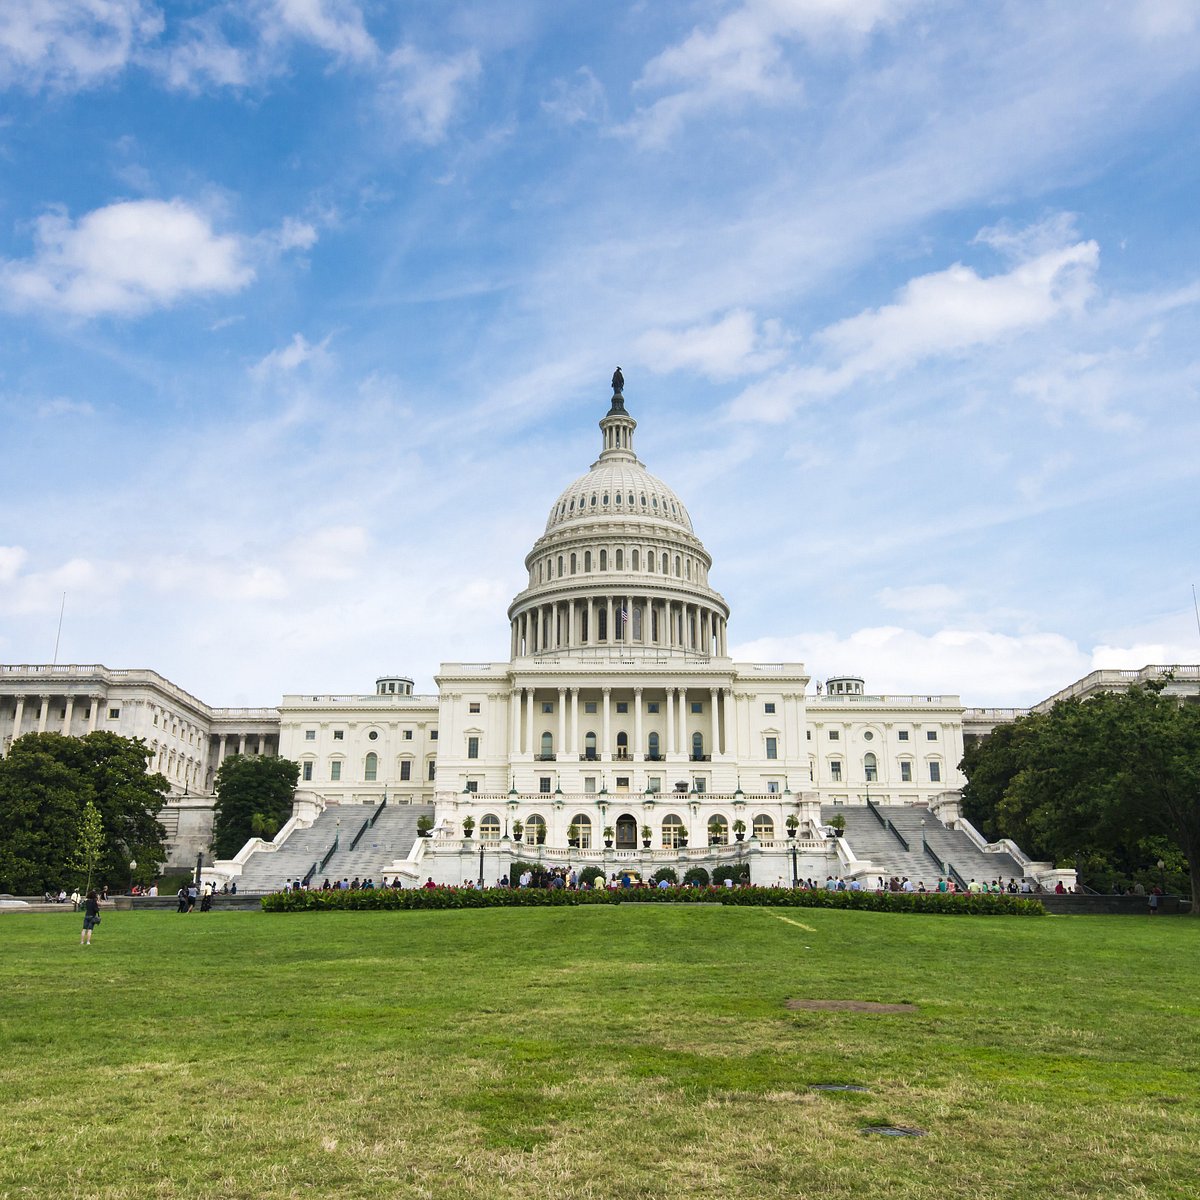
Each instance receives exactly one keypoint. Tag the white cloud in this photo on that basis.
(725, 349)
(334, 25)
(12, 558)
(426, 91)
(944, 313)
(296, 235)
(67, 44)
(922, 599)
(60, 406)
(333, 553)
(124, 259)
(578, 99)
(297, 353)
(742, 57)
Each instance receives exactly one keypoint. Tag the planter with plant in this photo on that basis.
(647, 834)
(572, 834)
(838, 824)
(468, 826)
(518, 830)
(424, 826)
(792, 823)
(739, 829)
(608, 836)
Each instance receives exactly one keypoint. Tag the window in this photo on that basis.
(433, 735)
(589, 746)
(620, 560)
(544, 785)
(473, 706)
(769, 707)
(903, 735)
(307, 772)
(654, 784)
(472, 747)
(604, 560)
(935, 772)
(718, 831)
(114, 714)
(697, 706)
(868, 736)
(808, 735)
(835, 771)
(672, 832)
(489, 828)
(633, 565)
(371, 767)
(652, 706)
(589, 706)
(773, 786)
(699, 785)
(652, 744)
(697, 746)
(472, 785)
(622, 706)
(931, 735)
(589, 784)
(310, 735)
(583, 830)
(622, 783)
(406, 769)
(339, 735)
(905, 771)
(432, 769)
(335, 771)
(373, 735)
(547, 706)
(764, 827)
(835, 735)
(547, 746)
(587, 560)
(870, 772)
(772, 747)
(408, 735)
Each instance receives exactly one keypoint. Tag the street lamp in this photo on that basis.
(795, 873)
(924, 844)
(1162, 875)
(132, 868)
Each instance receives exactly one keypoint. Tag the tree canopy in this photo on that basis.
(254, 799)
(1112, 781)
(46, 783)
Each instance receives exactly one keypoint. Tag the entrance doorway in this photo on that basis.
(626, 832)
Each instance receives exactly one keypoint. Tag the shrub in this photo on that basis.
(667, 873)
(696, 877)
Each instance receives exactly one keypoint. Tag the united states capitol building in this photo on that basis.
(617, 732)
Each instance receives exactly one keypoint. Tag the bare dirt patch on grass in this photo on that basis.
(867, 1006)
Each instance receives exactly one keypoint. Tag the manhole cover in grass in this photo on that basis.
(893, 1130)
(838, 1087)
(867, 1006)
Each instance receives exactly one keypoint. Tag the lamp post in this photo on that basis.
(924, 844)
(481, 858)
(1162, 875)
(795, 873)
(132, 868)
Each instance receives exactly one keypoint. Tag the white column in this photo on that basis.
(94, 712)
(670, 720)
(17, 716)
(574, 747)
(242, 744)
(684, 748)
(69, 716)
(730, 735)
(527, 748)
(43, 713)
(591, 622)
(606, 746)
(716, 726)
(561, 745)
(639, 750)
(514, 703)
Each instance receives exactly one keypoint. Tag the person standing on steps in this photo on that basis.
(91, 918)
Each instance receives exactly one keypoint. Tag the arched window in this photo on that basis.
(650, 560)
(371, 767)
(602, 623)
(718, 831)
(673, 833)
(589, 746)
(587, 561)
(560, 566)
(582, 822)
(620, 564)
(652, 748)
(622, 745)
(869, 769)
(678, 566)
(637, 621)
(547, 747)
(688, 567)
(697, 747)
(666, 563)
(489, 828)
(604, 560)
(764, 827)
(572, 564)
(634, 565)
(535, 830)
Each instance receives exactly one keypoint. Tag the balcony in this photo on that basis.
(589, 756)
(700, 757)
(656, 758)
(545, 758)
(622, 756)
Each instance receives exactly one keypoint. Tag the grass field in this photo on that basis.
(597, 1052)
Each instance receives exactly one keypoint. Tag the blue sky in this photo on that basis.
(308, 310)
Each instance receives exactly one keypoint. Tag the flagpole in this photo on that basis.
(58, 635)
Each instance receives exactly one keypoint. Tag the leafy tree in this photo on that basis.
(89, 844)
(253, 794)
(46, 782)
(1105, 780)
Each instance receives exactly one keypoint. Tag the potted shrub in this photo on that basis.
(518, 830)
(468, 826)
(792, 823)
(681, 840)
(838, 824)
(541, 834)
(739, 829)
(647, 834)
(608, 836)
(572, 834)
(424, 826)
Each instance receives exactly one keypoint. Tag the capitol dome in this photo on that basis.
(618, 569)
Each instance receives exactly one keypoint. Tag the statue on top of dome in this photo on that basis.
(618, 382)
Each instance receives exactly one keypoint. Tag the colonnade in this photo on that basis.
(64, 723)
(619, 622)
(673, 724)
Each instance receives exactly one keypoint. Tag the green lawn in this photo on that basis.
(632, 1051)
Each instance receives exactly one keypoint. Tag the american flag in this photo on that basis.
(624, 616)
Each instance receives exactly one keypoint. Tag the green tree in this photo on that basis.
(253, 793)
(46, 782)
(89, 844)
(1104, 780)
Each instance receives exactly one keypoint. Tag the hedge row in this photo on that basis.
(454, 897)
